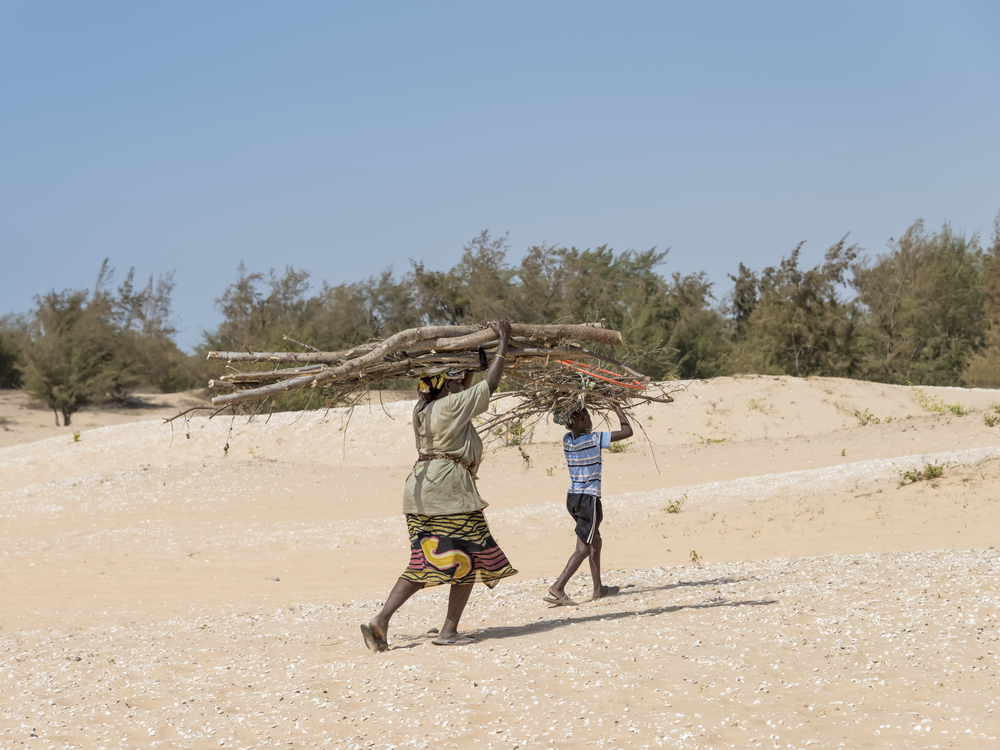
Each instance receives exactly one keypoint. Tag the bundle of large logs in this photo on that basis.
(544, 362)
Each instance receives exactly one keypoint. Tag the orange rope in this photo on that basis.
(592, 371)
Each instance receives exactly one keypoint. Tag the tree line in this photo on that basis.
(925, 312)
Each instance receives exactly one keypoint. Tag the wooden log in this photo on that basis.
(336, 357)
(302, 358)
(238, 377)
(594, 333)
(435, 338)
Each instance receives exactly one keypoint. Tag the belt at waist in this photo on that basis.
(460, 461)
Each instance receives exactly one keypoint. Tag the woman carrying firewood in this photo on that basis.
(450, 541)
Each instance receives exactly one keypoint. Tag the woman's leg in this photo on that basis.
(402, 591)
(457, 599)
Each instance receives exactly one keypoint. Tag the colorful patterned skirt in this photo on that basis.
(455, 548)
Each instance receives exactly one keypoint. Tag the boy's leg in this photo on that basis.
(585, 510)
(582, 551)
(600, 590)
(595, 565)
(597, 543)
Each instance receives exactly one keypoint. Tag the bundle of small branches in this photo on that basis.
(559, 387)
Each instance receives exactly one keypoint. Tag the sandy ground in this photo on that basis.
(200, 584)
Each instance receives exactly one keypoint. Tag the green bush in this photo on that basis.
(930, 471)
(674, 507)
(867, 418)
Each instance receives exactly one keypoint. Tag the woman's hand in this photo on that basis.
(502, 329)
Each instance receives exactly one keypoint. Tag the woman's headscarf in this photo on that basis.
(429, 385)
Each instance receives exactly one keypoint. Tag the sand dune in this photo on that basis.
(200, 584)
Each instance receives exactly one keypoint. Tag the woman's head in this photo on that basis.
(442, 383)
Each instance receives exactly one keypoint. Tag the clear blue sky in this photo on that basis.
(345, 138)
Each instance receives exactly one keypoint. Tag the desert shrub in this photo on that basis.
(934, 404)
(930, 471)
(79, 347)
(69, 353)
(922, 303)
(982, 368)
(10, 372)
(790, 321)
(866, 418)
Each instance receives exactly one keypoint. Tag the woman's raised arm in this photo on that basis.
(495, 371)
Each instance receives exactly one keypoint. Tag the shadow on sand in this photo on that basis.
(544, 626)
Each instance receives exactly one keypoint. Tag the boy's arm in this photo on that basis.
(625, 430)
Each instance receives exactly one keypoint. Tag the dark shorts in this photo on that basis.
(588, 514)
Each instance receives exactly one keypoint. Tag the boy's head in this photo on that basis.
(574, 417)
(563, 413)
(580, 422)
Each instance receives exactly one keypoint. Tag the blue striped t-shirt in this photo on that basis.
(583, 457)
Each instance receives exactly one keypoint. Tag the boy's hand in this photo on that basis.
(625, 430)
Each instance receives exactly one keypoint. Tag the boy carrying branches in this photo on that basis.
(583, 501)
